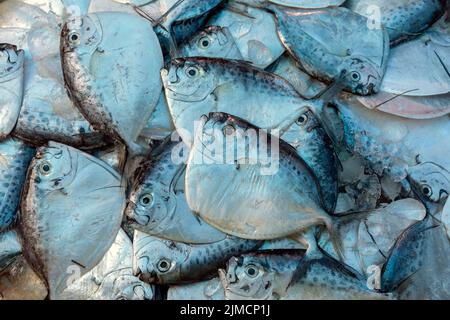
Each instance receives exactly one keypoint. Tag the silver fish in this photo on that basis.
(432, 180)
(310, 36)
(112, 278)
(214, 42)
(202, 290)
(10, 248)
(69, 193)
(234, 194)
(168, 262)
(197, 86)
(157, 203)
(11, 86)
(403, 19)
(14, 159)
(103, 71)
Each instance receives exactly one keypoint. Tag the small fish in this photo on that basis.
(198, 86)
(202, 290)
(214, 42)
(311, 37)
(112, 278)
(102, 69)
(11, 86)
(242, 195)
(14, 159)
(403, 19)
(68, 193)
(157, 203)
(432, 180)
(10, 248)
(167, 262)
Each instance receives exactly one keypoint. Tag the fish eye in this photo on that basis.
(426, 190)
(163, 265)
(45, 168)
(228, 130)
(204, 42)
(146, 199)
(251, 270)
(192, 72)
(74, 38)
(355, 76)
(302, 120)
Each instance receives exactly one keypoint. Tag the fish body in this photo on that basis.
(167, 262)
(11, 86)
(68, 193)
(157, 203)
(310, 36)
(10, 248)
(102, 69)
(14, 159)
(202, 290)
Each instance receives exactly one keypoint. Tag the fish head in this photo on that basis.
(430, 181)
(159, 261)
(81, 36)
(53, 167)
(128, 287)
(246, 277)
(213, 41)
(11, 59)
(188, 79)
(361, 76)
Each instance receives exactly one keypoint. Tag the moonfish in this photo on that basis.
(167, 262)
(157, 203)
(14, 159)
(112, 278)
(326, 43)
(11, 86)
(103, 70)
(69, 193)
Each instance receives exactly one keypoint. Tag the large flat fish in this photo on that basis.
(15, 157)
(71, 211)
(157, 204)
(103, 70)
(167, 262)
(331, 41)
(11, 86)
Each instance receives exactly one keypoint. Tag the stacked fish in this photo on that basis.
(212, 149)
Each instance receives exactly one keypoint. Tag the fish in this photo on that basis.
(112, 278)
(402, 19)
(432, 179)
(157, 203)
(68, 193)
(292, 276)
(253, 188)
(162, 261)
(253, 30)
(202, 290)
(446, 217)
(213, 42)
(11, 86)
(20, 282)
(310, 37)
(10, 248)
(302, 4)
(15, 157)
(102, 69)
(160, 124)
(239, 89)
(115, 156)
(429, 53)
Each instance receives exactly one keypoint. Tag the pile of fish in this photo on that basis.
(224, 149)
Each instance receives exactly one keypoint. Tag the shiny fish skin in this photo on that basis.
(14, 159)
(236, 198)
(161, 181)
(239, 89)
(61, 201)
(11, 87)
(183, 263)
(310, 37)
(112, 92)
(403, 19)
(10, 248)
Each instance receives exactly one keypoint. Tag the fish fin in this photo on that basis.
(144, 14)
(235, 9)
(335, 239)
